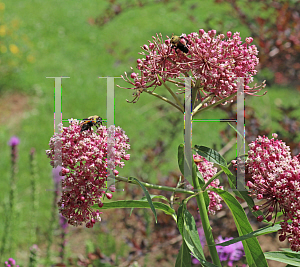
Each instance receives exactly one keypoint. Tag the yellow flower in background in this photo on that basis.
(3, 49)
(2, 30)
(15, 23)
(13, 48)
(30, 58)
(2, 6)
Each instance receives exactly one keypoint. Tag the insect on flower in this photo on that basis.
(177, 43)
(91, 121)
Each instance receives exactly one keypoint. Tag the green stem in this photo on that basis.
(196, 110)
(215, 176)
(195, 90)
(205, 224)
(164, 99)
(211, 179)
(160, 187)
(171, 92)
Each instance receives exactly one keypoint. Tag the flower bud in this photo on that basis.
(260, 196)
(126, 157)
(250, 184)
(271, 209)
(249, 40)
(282, 238)
(151, 46)
(212, 33)
(133, 75)
(229, 34)
(109, 195)
(255, 207)
(260, 218)
(269, 218)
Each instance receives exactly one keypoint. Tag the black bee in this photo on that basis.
(177, 44)
(91, 121)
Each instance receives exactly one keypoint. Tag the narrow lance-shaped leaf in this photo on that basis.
(184, 257)
(214, 157)
(254, 254)
(144, 198)
(263, 231)
(147, 196)
(136, 204)
(292, 259)
(182, 161)
(192, 240)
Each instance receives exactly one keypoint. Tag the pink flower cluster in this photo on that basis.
(276, 179)
(11, 263)
(83, 156)
(212, 60)
(207, 170)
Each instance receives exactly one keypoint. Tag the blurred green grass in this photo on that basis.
(65, 44)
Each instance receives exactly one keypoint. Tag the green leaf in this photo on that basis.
(180, 219)
(263, 231)
(254, 254)
(152, 196)
(290, 251)
(156, 196)
(243, 194)
(192, 240)
(136, 204)
(181, 160)
(240, 135)
(202, 183)
(211, 155)
(147, 196)
(284, 256)
(184, 257)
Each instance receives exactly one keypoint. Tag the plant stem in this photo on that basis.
(196, 110)
(164, 99)
(33, 172)
(171, 92)
(211, 179)
(160, 187)
(205, 224)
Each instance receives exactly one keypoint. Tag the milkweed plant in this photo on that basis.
(213, 63)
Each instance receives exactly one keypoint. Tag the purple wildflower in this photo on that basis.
(231, 253)
(13, 141)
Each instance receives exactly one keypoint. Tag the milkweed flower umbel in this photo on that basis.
(84, 166)
(213, 62)
(276, 179)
